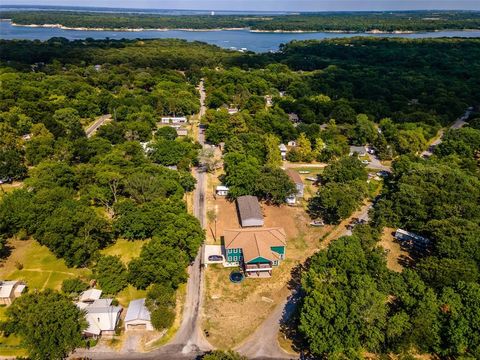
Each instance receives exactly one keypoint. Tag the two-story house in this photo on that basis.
(257, 251)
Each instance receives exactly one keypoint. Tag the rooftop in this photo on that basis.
(137, 311)
(256, 242)
(294, 176)
(90, 295)
(249, 208)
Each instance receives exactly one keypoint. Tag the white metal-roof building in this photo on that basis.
(10, 290)
(138, 316)
(90, 295)
(102, 317)
(173, 120)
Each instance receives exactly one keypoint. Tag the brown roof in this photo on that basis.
(249, 208)
(294, 176)
(256, 242)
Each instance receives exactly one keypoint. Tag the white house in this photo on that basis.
(221, 190)
(297, 180)
(138, 316)
(173, 120)
(10, 290)
(102, 317)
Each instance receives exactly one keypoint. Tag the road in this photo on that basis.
(263, 343)
(459, 123)
(99, 122)
(374, 164)
(189, 341)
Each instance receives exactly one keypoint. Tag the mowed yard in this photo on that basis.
(37, 266)
(233, 311)
(41, 270)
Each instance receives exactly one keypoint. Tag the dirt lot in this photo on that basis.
(233, 311)
(396, 256)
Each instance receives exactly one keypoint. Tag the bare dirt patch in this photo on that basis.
(233, 311)
(396, 256)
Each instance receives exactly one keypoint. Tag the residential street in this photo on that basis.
(459, 123)
(189, 341)
(99, 122)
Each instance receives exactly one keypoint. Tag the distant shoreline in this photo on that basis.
(375, 31)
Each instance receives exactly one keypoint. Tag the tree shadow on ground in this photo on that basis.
(291, 314)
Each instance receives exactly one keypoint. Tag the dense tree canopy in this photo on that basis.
(49, 323)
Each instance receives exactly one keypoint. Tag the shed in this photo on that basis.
(138, 316)
(249, 211)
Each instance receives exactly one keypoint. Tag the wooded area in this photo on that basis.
(327, 21)
(82, 194)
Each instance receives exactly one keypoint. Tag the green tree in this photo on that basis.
(158, 263)
(344, 170)
(336, 201)
(223, 355)
(274, 158)
(49, 324)
(73, 286)
(111, 274)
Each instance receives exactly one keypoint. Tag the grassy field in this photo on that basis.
(37, 266)
(6, 188)
(10, 346)
(41, 270)
(233, 311)
(126, 249)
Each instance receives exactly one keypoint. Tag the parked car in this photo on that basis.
(317, 223)
(6, 180)
(304, 172)
(311, 178)
(366, 162)
(215, 258)
(383, 173)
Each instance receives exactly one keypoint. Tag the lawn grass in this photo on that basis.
(37, 266)
(126, 249)
(128, 294)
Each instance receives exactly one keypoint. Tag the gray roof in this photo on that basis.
(249, 208)
(137, 311)
(100, 303)
(358, 149)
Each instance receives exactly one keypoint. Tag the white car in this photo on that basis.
(366, 162)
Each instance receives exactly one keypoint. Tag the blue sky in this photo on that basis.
(266, 5)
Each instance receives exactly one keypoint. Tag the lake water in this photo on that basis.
(254, 41)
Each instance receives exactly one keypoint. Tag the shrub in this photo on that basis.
(70, 286)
